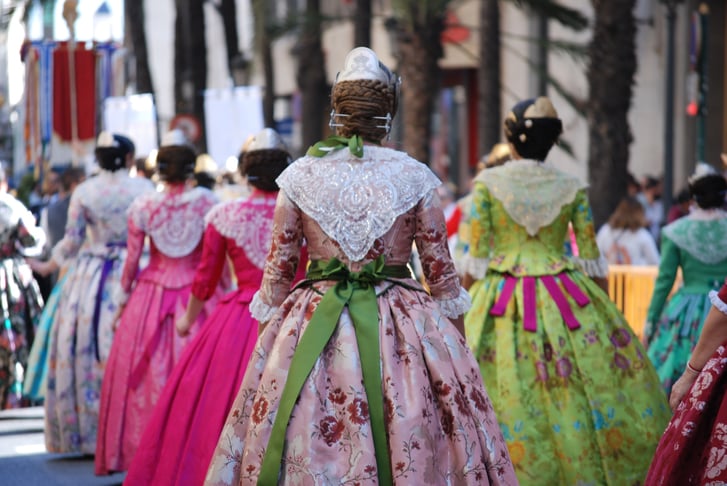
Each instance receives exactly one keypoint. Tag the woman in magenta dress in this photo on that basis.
(146, 346)
(178, 442)
(360, 376)
(693, 449)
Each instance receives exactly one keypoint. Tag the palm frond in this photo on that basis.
(575, 50)
(566, 16)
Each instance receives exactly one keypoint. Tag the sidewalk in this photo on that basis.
(24, 460)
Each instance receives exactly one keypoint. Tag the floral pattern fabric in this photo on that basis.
(440, 423)
(96, 220)
(576, 397)
(693, 449)
(675, 323)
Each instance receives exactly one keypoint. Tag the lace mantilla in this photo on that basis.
(356, 200)
(249, 223)
(704, 239)
(175, 222)
(531, 192)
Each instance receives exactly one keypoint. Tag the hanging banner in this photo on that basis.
(231, 116)
(135, 117)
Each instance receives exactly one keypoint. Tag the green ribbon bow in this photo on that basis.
(356, 291)
(331, 144)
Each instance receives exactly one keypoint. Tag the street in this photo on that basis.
(25, 462)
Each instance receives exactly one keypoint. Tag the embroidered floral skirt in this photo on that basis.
(182, 432)
(676, 334)
(20, 309)
(576, 397)
(440, 424)
(693, 449)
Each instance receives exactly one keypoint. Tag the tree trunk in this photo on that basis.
(362, 24)
(190, 62)
(489, 107)
(420, 48)
(135, 23)
(611, 71)
(263, 44)
(228, 12)
(311, 75)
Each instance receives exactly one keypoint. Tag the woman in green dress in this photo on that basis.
(576, 397)
(696, 243)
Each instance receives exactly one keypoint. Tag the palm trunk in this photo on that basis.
(362, 24)
(311, 75)
(610, 77)
(228, 12)
(190, 61)
(488, 82)
(135, 21)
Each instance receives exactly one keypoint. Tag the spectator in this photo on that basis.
(653, 206)
(623, 240)
(683, 201)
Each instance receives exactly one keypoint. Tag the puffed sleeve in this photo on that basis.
(589, 257)
(668, 267)
(282, 260)
(478, 259)
(212, 264)
(75, 233)
(437, 264)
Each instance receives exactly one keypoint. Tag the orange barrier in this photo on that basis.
(630, 288)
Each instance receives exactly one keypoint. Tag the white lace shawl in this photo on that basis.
(356, 200)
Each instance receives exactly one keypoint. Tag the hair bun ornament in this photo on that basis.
(702, 170)
(362, 63)
(205, 164)
(106, 140)
(265, 139)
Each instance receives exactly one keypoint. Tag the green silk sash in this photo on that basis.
(355, 290)
(331, 144)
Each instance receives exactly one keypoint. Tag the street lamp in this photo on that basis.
(668, 187)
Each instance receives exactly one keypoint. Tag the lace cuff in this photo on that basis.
(456, 307)
(717, 302)
(593, 268)
(261, 311)
(477, 267)
(120, 296)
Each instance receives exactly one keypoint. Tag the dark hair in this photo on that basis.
(709, 191)
(629, 214)
(70, 176)
(683, 196)
(262, 167)
(175, 163)
(205, 179)
(360, 101)
(114, 158)
(532, 137)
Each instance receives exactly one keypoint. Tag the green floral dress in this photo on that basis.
(698, 245)
(576, 397)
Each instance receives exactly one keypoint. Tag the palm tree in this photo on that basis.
(418, 27)
(311, 74)
(610, 74)
(135, 21)
(263, 45)
(362, 24)
(228, 12)
(190, 61)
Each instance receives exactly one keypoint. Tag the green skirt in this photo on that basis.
(577, 399)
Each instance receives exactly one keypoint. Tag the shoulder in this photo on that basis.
(222, 211)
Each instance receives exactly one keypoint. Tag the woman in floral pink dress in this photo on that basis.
(182, 433)
(146, 346)
(360, 376)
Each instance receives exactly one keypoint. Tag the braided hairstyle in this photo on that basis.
(262, 167)
(175, 163)
(362, 100)
(709, 191)
(533, 127)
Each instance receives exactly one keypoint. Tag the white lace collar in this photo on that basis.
(531, 192)
(356, 200)
(702, 234)
(249, 223)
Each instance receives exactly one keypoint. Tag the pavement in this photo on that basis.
(24, 460)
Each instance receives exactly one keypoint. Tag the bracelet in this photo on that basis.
(692, 368)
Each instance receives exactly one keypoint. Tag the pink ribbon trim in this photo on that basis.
(530, 321)
(574, 290)
(501, 305)
(561, 302)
